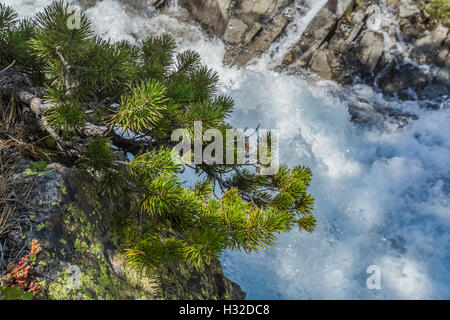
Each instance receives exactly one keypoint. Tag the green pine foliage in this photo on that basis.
(140, 93)
(14, 36)
(66, 117)
(98, 155)
(141, 109)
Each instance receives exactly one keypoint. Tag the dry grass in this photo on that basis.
(9, 207)
(6, 219)
(14, 223)
(8, 212)
(7, 204)
(19, 139)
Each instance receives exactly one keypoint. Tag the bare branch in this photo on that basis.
(8, 67)
(38, 107)
(67, 68)
(247, 196)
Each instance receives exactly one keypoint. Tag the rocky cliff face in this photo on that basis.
(393, 45)
(80, 257)
(381, 42)
(247, 27)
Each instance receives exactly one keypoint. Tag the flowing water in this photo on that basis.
(382, 192)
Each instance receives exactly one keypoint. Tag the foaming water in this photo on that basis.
(382, 199)
(382, 196)
(303, 13)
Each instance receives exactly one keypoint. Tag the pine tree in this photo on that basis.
(103, 99)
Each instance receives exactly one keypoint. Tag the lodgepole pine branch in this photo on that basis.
(38, 107)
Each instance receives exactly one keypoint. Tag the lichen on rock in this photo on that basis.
(81, 258)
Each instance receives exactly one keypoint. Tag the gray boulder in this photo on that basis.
(372, 45)
(319, 31)
(248, 28)
(433, 47)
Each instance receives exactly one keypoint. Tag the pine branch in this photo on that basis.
(38, 108)
(224, 184)
(149, 91)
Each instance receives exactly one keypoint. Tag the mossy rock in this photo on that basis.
(80, 258)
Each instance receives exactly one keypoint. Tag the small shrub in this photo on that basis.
(439, 10)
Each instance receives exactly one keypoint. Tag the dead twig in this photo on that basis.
(2, 259)
(12, 107)
(31, 188)
(8, 67)
(5, 219)
(67, 68)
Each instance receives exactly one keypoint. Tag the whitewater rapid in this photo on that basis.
(382, 195)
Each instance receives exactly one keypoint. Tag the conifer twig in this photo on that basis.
(225, 185)
(67, 68)
(8, 67)
(38, 107)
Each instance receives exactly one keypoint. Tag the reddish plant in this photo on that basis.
(19, 276)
